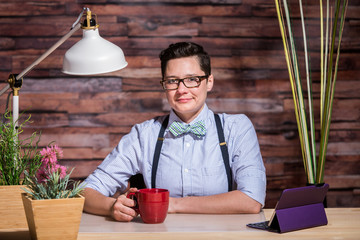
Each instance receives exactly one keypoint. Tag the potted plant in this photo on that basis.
(314, 161)
(52, 202)
(16, 156)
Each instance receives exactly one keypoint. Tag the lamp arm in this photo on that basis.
(49, 51)
(2, 91)
(15, 81)
(75, 26)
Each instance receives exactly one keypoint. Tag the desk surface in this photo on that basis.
(343, 223)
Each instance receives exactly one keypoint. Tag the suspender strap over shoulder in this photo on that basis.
(222, 143)
(224, 150)
(158, 150)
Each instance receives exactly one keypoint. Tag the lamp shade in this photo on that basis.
(93, 55)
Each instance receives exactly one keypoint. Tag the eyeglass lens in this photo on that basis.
(189, 82)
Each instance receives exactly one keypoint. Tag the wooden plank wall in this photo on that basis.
(87, 116)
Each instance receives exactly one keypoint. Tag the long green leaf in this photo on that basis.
(300, 99)
(314, 168)
(327, 97)
(290, 71)
(325, 132)
(295, 81)
(309, 89)
(324, 66)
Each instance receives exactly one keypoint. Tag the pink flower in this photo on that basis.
(50, 164)
(52, 153)
(62, 170)
(41, 175)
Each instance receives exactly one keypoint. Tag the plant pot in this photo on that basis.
(12, 213)
(53, 218)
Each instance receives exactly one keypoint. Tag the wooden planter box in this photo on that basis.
(12, 214)
(53, 218)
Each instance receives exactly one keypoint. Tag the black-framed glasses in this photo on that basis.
(189, 82)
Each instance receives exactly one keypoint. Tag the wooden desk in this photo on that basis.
(344, 223)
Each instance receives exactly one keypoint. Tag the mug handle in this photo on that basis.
(133, 197)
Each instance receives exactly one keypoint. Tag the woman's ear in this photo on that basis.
(210, 83)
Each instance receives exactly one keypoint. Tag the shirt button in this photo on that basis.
(187, 144)
(186, 170)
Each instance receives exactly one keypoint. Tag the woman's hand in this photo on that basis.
(122, 210)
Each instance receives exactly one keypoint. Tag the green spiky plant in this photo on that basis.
(51, 180)
(16, 154)
(313, 163)
(55, 187)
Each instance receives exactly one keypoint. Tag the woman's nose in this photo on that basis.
(182, 87)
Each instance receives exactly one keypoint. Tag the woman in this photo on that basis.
(191, 163)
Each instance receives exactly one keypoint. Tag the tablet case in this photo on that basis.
(299, 208)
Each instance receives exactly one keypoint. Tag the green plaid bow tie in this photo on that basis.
(198, 128)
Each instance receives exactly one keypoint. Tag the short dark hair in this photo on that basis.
(185, 49)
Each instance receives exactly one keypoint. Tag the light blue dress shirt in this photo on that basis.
(188, 165)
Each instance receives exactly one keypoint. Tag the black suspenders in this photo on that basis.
(158, 150)
(223, 147)
(224, 150)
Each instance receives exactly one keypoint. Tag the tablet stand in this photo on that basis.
(296, 218)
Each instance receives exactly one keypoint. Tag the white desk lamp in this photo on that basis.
(92, 55)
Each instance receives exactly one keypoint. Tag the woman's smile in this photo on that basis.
(187, 102)
(184, 100)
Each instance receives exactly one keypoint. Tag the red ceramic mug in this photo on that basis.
(151, 203)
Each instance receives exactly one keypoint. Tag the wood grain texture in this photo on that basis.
(53, 218)
(87, 116)
(11, 207)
